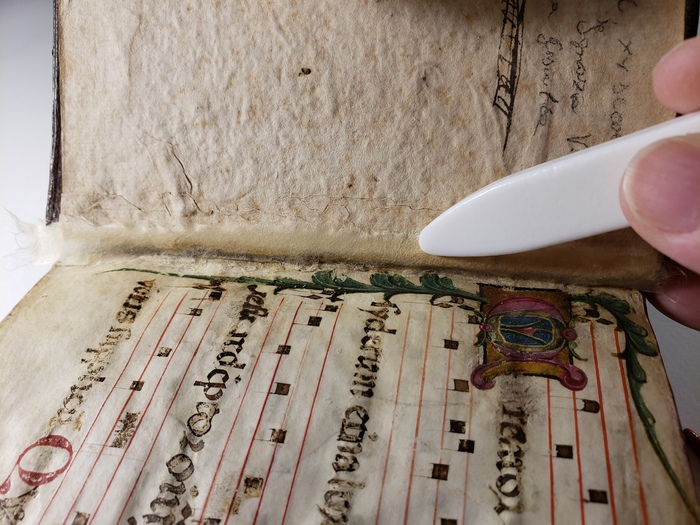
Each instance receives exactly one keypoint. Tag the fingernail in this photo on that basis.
(673, 297)
(662, 185)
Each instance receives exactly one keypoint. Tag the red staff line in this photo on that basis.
(238, 412)
(104, 402)
(114, 425)
(605, 432)
(420, 405)
(393, 418)
(642, 497)
(466, 466)
(102, 448)
(444, 418)
(260, 416)
(308, 421)
(578, 461)
(284, 419)
(148, 405)
(551, 452)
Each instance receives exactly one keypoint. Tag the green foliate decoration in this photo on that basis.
(636, 344)
(327, 282)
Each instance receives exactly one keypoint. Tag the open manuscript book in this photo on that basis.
(242, 328)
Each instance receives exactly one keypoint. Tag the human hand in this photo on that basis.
(660, 190)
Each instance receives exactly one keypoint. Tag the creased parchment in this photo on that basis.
(357, 120)
(248, 393)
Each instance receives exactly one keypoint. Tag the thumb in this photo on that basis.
(660, 196)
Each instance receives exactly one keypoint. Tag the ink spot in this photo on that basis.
(598, 496)
(252, 487)
(305, 71)
(466, 445)
(440, 471)
(458, 427)
(565, 451)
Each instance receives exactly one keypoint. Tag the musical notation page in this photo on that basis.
(268, 393)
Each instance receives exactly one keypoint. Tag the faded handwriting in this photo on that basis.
(580, 79)
(616, 117)
(125, 429)
(627, 53)
(551, 46)
(578, 143)
(619, 89)
(621, 3)
(98, 358)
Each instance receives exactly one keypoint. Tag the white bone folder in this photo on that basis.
(561, 200)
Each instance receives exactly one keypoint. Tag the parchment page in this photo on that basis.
(249, 393)
(282, 126)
